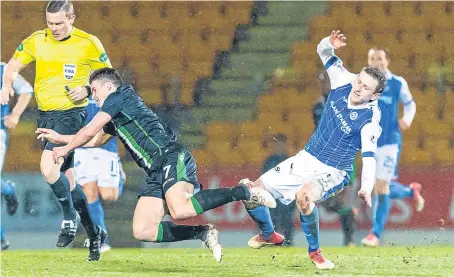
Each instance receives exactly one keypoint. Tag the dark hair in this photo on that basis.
(377, 75)
(60, 6)
(379, 48)
(106, 74)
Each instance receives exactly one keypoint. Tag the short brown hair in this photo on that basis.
(106, 74)
(60, 6)
(375, 73)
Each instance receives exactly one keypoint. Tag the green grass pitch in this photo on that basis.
(385, 261)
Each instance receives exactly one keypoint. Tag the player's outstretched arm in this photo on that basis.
(369, 136)
(338, 75)
(25, 92)
(52, 136)
(83, 136)
(12, 70)
(98, 140)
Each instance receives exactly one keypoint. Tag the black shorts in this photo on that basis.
(175, 165)
(67, 122)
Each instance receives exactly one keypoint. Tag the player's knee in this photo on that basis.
(381, 187)
(49, 169)
(144, 233)
(178, 215)
(181, 212)
(91, 191)
(303, 201)
(50, 173)
(109, 194)
(92, 195)
(110, 197)
(302, 196)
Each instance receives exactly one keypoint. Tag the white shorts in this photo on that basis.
(288, 177)
(386, 162)
(97, 165)
(3, 147)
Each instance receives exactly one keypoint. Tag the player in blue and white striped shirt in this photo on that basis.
(9, 120)
(99, 172)
(389, 146)
(350, 122)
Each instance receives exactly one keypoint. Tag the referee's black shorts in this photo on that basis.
(67, 122)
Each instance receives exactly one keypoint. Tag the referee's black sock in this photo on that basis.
(61, 189)
(208, 199)
(169, 232)
(81, 204)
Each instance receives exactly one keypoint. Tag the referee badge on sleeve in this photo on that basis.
(69, 71)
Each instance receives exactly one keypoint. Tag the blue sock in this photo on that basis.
(399, 191)
(97, 213)
(382, 203)
(261, 216)
(310, 225)
(2, 233)
(7, 188)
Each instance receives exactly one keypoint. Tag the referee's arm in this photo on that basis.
(96, 58)
(22, 57)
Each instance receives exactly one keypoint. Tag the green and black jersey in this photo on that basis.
(142, 132)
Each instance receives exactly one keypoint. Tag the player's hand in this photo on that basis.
(337, 39)
(5, 93)
(247, 182)
(403, 126)
(79, 93)
(49, 135)
(366, 197)
(59, 153)
(11, 121)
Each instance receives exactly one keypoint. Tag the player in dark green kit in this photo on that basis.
(172, 185)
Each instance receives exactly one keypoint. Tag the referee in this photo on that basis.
(64, 57)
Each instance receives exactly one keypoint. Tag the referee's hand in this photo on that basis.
(5, 93)
(79, 93)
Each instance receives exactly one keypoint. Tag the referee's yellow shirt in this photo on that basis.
(61, 63)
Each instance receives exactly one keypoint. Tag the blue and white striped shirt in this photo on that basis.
(396, 91)
(344, 129)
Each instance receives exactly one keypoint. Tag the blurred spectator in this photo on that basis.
(171, 94)
(171, 90)
(282, 214)
(324, 86)
(440, 73)
(337, 203)
(127, 73)
(259, 8)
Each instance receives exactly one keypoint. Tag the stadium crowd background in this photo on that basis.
(231, 76)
